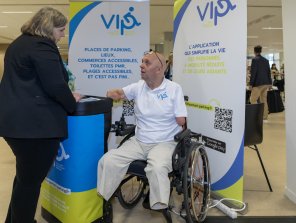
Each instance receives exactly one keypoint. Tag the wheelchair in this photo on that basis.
(190, 176)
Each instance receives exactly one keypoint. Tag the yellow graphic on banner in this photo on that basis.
(78, 207)
(233, 192)
(177, 6)
(199, 106)
(76, 7)
(117, 102)
(207, 107)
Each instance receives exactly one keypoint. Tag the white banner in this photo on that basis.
(107, 42)
(210, 64)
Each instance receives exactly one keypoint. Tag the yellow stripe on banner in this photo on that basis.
(78, 207)
(77, 7)
(234, 191)
(177, 6)
(207, 107)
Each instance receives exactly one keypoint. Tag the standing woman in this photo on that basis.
(274, 72)
(35, 100)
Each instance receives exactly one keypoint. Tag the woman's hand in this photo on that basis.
(77, 96)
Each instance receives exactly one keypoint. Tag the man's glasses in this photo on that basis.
(151, 52)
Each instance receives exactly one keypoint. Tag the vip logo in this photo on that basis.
(213, 12)
(62, 155)
(127, 21)
(162, 95)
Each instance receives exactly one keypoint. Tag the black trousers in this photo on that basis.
(34, 158)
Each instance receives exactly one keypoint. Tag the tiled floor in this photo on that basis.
(260, 201)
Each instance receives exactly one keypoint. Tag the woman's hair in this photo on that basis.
(43, 22)
(273, 66)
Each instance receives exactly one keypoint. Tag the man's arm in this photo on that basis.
(254, 67)
(181, 120)
(116, 94)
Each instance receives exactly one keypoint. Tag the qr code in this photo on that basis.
(223, 119)
(128, 107)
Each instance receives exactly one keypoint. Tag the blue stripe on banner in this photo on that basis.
(234, 173)
(179, 17)
(75, 21)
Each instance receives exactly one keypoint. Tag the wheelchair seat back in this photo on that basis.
(137, 168)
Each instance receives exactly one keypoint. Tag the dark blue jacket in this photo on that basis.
(34, 94)
(260, 72)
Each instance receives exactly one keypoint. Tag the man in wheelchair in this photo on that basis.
(160, 113)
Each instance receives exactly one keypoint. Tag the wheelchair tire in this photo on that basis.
(196, 184)
(130, 191)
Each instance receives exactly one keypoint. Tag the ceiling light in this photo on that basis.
(17, 12)
(271, 28)
(3, 26)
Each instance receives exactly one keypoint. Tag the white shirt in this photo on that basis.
(156, 110)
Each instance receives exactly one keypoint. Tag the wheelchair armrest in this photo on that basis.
(195, 135)
(129, 128)
(181, 135)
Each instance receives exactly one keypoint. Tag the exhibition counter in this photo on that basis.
(69, 193)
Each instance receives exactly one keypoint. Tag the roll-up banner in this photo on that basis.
(210, 42)
(107, 41)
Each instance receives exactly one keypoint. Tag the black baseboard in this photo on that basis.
(52, 219)
(251, 219)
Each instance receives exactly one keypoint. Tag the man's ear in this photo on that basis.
(159, 69)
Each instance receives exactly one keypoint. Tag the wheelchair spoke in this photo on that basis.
(131, 191)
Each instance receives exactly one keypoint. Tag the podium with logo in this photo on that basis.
(69, 194)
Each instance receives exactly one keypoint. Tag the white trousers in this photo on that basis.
(113, 166)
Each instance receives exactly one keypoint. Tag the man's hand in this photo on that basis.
(116, 94)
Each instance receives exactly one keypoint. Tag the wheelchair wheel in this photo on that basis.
(130, 191)
(196, 184)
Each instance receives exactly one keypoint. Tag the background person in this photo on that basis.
(260, 80)
(274, 72)
(169, 68)
(160, 112)
(34, 100)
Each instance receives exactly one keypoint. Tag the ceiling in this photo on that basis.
(261, 13)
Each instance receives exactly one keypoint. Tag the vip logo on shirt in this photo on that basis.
(162, 96)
